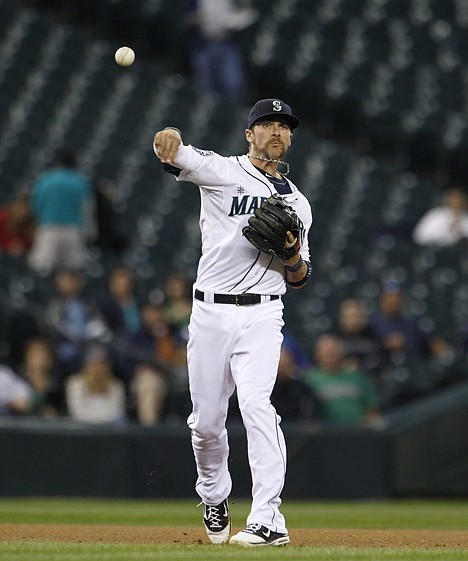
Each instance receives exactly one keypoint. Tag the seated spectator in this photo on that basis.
(363, 349)
(15, 394)
(290, 342)
(292, 397)
(345, 397)
(447, 224)
(177, 308)
(146, 362)
(39, 369)
(95, 395)
(399, 332)
(16, 226)
(121, 308)
(75, 319)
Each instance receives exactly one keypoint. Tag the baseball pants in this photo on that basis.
(237, 347)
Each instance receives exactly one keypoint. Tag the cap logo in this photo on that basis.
(277, 105)
(267, 109)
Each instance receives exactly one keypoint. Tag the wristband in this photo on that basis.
(304, 280)
(296, 267)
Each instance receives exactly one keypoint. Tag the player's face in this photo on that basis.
(270, 139)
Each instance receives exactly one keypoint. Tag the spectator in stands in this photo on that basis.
(363, 349)
(399, 332)
(40, 370)
(16, 226)
(213, 47)
(121, 307)
(15, 393)
(292, 397)
(146, 361)
(95, 395)
(447, 224)
(62, 204)
(177, 308)
(75, 319)
(294, 346)
(345, 397)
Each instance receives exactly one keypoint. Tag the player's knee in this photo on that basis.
(206, 429)
(205, 435)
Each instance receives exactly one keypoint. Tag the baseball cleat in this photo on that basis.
(256, 534)
(217, 521)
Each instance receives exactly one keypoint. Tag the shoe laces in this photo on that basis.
(213, 515)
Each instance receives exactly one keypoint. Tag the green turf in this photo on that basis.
(102, 552)
(452, 515)
(440, 515)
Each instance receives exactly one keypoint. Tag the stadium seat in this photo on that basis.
(370, 75)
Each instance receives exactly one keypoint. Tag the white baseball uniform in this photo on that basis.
(234, 346)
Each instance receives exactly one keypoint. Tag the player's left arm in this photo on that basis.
(298, 269)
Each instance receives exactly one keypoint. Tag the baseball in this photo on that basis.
(124, 56)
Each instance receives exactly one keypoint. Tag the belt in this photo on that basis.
(237, 299)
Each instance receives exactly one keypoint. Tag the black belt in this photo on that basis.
(237, 299)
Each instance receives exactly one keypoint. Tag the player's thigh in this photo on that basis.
(211, 337)
(256, 354)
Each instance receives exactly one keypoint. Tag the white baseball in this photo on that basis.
(124, 56)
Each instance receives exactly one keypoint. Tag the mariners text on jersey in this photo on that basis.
(246, 205)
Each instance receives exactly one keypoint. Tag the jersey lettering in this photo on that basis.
(253, 205)
(243, 206)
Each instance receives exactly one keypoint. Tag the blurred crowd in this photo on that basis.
(120, 356)
(112, 359)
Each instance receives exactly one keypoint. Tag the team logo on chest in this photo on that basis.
(245, 204)
(240, 190)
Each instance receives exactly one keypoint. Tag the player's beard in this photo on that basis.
(270, 152)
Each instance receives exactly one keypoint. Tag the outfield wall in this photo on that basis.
(72, 460)
(421, 451)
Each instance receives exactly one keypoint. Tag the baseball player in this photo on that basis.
(235, 327)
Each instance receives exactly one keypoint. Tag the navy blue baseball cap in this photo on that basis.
(271, 109)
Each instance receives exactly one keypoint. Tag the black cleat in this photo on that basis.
(217, 522)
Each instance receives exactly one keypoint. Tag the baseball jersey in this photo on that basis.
(231, 188)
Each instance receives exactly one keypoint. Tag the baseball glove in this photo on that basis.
(268, 227)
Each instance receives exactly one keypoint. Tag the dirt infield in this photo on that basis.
(189, 536)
